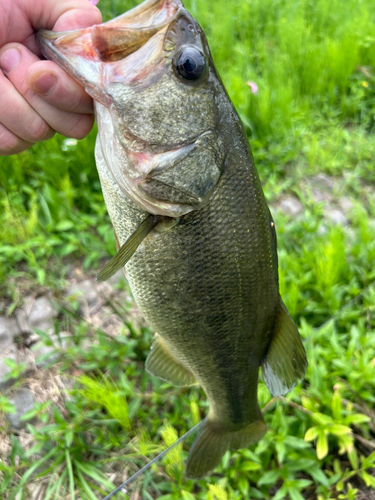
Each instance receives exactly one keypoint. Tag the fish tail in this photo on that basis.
(214, 440)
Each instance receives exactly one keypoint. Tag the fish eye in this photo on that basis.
(190, 63)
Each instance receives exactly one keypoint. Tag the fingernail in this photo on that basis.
(9, 59)
(44, 84)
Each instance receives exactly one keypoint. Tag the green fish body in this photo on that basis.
(203, 266)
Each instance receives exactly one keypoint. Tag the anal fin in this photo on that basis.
(161, 363)
(285, 362)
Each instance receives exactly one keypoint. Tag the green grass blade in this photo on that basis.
(60, 483)
(52, 486)
(95, 474)
(29, 472)
(70, 472)
(86, 486)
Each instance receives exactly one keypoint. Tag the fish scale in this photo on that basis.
(189, 214)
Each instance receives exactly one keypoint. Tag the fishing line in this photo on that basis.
(162, 454)
(156, 459)
(196, 427)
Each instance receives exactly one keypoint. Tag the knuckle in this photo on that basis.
(82, 127)
(9, 143)
(49, 134)
(76, 102)
(40, 130)
(19, 115)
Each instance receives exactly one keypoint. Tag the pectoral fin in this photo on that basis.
(285, 362)
(129, 247)
(161, 363)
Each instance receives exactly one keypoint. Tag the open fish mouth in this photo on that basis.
(126, 65)
(119, 37)
(85, 53)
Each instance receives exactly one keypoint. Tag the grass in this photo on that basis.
(314, 64)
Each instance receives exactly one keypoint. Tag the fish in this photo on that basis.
(190, 218)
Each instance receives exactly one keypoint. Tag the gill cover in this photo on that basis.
(148, 72)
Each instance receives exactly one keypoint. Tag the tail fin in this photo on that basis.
(214, 440)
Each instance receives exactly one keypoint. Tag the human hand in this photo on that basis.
(37, 98)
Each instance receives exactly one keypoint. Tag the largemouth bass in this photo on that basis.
(189, 214)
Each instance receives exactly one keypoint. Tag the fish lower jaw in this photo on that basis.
(152, 205)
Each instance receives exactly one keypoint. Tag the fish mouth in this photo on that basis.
(85, 53)
(119, 37)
